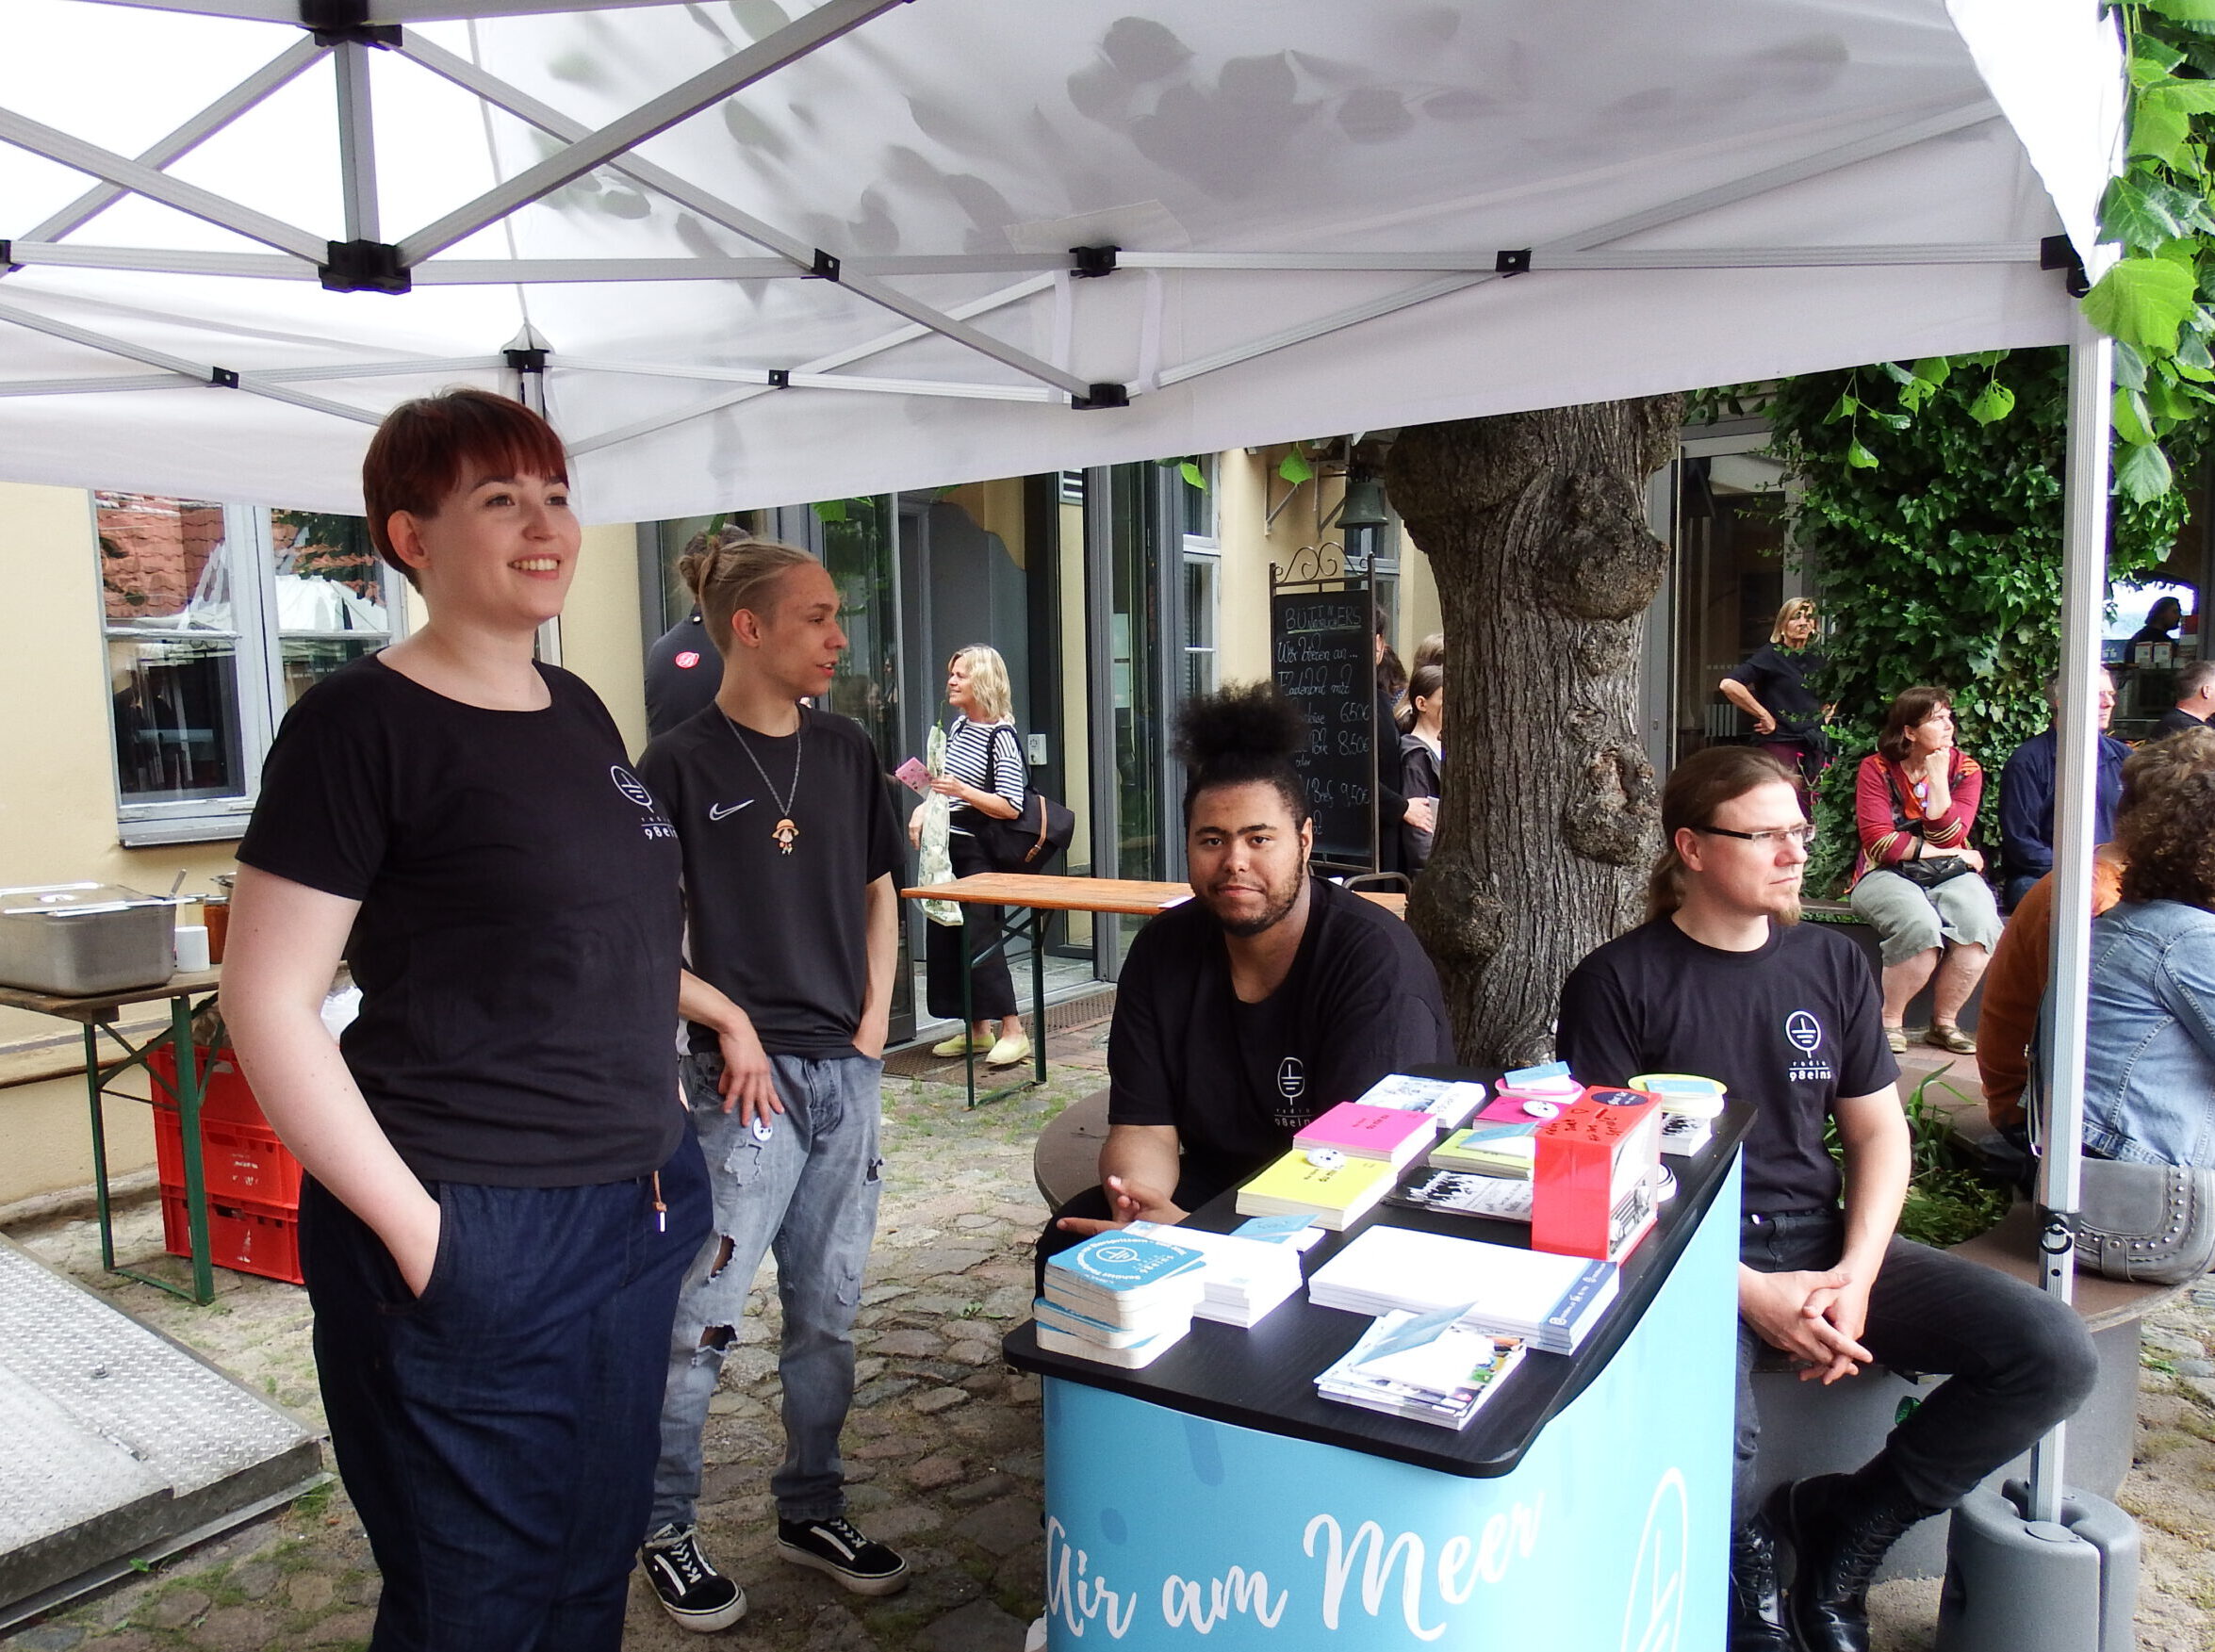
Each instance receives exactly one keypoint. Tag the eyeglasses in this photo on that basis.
(1802, 835)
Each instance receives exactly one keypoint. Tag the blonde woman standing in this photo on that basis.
(1772, 689)
(983, 775)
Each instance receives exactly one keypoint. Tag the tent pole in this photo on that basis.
(2083, 570)
(358, 148)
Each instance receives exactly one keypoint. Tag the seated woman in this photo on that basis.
(2149, 1059)
(1916, 882)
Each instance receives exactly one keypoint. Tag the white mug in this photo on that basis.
(192, 948)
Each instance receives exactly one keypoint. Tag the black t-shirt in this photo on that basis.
(682, 673)
(1777, 679)
(1238, 1080)
(517, 946)
(783, 936)
(1790, 1026)
(2175, 720)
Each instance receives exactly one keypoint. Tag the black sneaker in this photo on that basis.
(690, 1589)
(833, 1546)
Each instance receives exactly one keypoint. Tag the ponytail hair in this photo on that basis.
(728, 574)
(1428, 679)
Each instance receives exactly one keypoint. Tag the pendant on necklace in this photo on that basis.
(786, 835)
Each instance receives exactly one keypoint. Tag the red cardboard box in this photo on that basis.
(1594, 1182)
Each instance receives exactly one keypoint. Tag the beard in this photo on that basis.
(1279, 901)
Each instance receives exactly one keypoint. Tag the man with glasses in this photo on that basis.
(1723, 980)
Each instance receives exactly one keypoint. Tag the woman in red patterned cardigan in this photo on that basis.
(1919, 882)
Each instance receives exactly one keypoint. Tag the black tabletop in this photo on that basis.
(1264, 1377)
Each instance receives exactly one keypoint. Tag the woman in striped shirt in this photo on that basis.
(983, 773)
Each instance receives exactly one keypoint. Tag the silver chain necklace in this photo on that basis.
(786, 832)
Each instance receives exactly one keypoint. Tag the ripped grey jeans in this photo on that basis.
(810, 1193)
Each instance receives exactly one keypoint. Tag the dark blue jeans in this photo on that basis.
(2016, 1360)
(498, 1433)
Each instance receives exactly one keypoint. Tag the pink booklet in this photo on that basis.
(1391, 1134)
(916, 777)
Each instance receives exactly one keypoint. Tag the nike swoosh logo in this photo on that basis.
(724, 811)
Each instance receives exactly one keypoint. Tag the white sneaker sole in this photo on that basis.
(891, 1583)
(703, 1623)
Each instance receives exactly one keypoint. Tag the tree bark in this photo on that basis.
(1535, 527)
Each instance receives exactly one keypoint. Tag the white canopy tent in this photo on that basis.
(750, 252)
(836, 258)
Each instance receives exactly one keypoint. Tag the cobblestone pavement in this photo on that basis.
(943, 1449)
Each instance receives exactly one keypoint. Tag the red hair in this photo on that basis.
(428, 450)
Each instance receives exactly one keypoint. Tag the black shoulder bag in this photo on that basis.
(1040, 831)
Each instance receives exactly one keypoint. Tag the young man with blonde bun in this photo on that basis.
(1723, 980)
(791, 851)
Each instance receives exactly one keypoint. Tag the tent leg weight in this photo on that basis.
(2020, 1585)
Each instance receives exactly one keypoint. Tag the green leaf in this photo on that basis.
(2151, 60)
(1992, 403)
(2159, 131)
(1844, 407)
(2191, 352)
(1295, 468)
(2184, 10)
(2143, 475)
(1860, 457)
(830, 510)
(1192, 474)
(2142, 301)
(2147, 213)
(2132, 423)
(2130, 368)
(1896, 374)
(1933, 369)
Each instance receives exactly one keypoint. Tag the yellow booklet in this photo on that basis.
(1335, 1193)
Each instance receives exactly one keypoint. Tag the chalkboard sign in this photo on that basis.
(1324, 660)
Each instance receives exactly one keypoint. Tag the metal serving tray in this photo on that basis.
(75, 939)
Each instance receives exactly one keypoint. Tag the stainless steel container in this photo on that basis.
(75, 939)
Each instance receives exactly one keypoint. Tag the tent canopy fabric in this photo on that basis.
(773, 253)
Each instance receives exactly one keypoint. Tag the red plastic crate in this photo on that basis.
(237, 1161)
(228, 1097)
(242, 1236)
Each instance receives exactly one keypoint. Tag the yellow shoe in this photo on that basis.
(959, 1044)
(1010, 1051)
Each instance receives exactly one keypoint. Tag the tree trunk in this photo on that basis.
(1535, 527)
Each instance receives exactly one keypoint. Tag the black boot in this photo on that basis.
(1839, 1527)
(1757, 1602)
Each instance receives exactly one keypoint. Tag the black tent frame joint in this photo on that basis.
(1517, 262)
(826, 267)
(1102, 395)
(526, 361)
(338, 22)
(2057, 1231)
(781, 378)
(1093, 261)
(223, 378)
(2056, 252)
(8, 264)
(365, 266)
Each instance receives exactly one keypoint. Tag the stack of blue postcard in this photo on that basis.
(1121, 1299)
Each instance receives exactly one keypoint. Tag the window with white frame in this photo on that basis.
(1200, 596)
(217, 618)
(1196, 502)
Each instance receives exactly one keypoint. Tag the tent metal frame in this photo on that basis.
(348, 31)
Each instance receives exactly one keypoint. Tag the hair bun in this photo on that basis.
(1252, 720)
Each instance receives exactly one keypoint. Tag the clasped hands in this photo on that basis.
(1816, 1318)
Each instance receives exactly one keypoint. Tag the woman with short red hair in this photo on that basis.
(503, 1195)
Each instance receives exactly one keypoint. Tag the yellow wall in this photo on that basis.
(599, 627)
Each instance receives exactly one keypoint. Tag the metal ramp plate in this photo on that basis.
(117, 1443)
